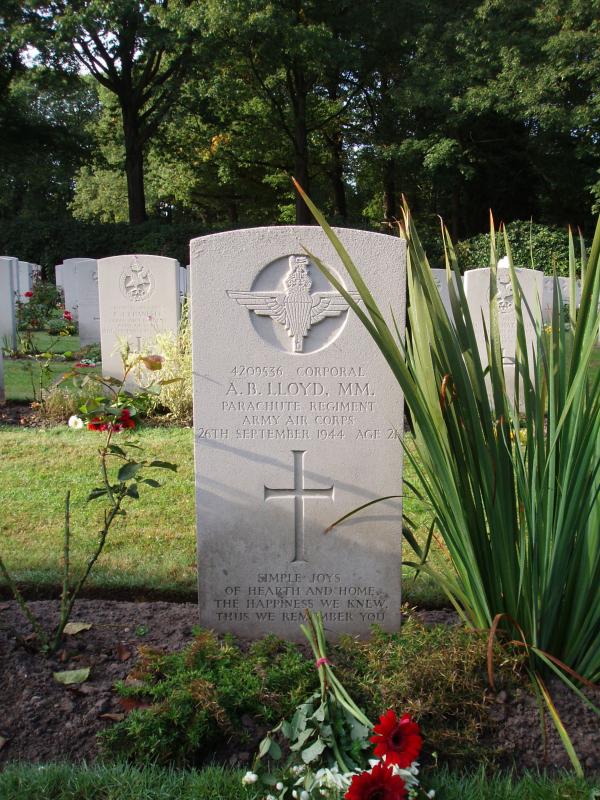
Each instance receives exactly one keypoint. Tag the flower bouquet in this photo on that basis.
(322, 751)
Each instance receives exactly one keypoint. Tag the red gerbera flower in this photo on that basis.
(125, 420)
(398, 740)
(28, 294)
(378, 784)
(95, 424)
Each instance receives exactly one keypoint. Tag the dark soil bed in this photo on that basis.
(42, 720)
(22, 414)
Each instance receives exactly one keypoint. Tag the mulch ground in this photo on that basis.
(19, 414)
(42, 720)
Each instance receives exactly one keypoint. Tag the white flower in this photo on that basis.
(249, 777)
(270, 797)
(279, 786)
(75, 422)
(431, 793)
(294, 794)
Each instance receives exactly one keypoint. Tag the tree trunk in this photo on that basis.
(389, 192)
(337, 179)
(303, 215)
(134, 167)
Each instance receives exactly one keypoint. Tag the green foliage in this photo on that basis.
(48, 241)
(123, 782)
(119, 782)
(199, 696)
(436, 674)
(90, 353)
(542, 247)
(175, 395)
(519, 510)
(61, 402)
(520, 515)
(479, 785)
(43, 311)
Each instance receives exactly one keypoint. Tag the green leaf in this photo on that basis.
(128, 470)
(264, 747)
(163, 465)
(71, 677)
(114, 448)
(313, 752)
(274, 750)
(151, 482)
(302, 738)
(96, 493)
(132, 491)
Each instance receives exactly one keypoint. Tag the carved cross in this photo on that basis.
(298, 493)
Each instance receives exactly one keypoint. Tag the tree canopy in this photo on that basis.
(114, 110)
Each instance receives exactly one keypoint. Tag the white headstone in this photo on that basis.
(183, 283)
(68, 276)
(58, 269)
(441, 281)
(88, 302)
(565, 294)
(25, 280)
(2, 395)
(296, 419)
(139, 297)
(477, 291)
(8, 322)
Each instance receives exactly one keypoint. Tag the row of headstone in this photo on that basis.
(79, 280)
(8, 296)
(297, 415)
(546, 293)
(139, 297)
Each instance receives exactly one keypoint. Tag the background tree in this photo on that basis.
(285, 53)
(134, 51)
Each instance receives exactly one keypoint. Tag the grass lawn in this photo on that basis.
(153, 547)
(65, 782)
(55, 344)
(22, 375)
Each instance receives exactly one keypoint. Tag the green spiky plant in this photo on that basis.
(517, 501)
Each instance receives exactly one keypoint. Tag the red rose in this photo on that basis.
(68, 316)
(378, 784)
(398, 740)
(27, 294)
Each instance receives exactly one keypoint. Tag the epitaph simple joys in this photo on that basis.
(296, 422)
